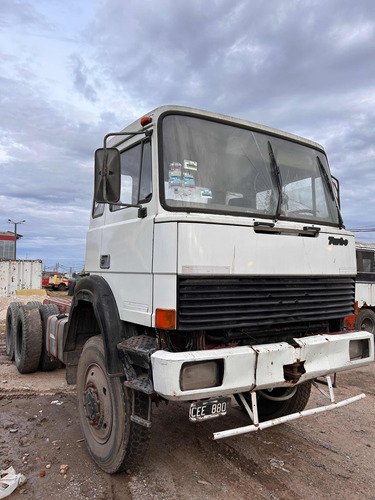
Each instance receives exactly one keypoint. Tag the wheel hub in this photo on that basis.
(98, 403)
(92, 404)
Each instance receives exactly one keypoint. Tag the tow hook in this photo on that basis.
(293, 372)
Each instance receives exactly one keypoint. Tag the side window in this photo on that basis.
(97, 209)
(145, 192)
(136, 185)
(365, 262)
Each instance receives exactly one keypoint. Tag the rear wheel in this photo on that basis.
(28, 339)
(280, 401)
(11, 327)
(365, 320)
(105, 407)
(62, 287)
(34, 303)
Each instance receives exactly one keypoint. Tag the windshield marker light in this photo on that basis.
(146, 120)
(165, 319)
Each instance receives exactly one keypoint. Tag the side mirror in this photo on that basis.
(107, 186)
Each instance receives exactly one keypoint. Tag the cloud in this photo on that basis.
(20, 13)
(80, 78)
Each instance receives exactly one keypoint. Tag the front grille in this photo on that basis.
(214, 303)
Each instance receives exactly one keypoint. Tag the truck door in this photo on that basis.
(126, 244)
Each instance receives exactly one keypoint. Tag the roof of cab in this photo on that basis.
(157, 112)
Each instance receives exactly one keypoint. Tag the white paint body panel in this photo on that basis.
(19, 275)
(128, 240)
(365, 294)
(259, 367)
(239, 250)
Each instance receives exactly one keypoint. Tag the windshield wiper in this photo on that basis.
(330, 189)
(276, 171)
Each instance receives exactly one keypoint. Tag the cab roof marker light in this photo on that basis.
(146, 120)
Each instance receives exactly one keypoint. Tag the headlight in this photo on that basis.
(359, 349)
(201, 375)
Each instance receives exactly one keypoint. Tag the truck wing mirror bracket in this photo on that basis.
(107, 188)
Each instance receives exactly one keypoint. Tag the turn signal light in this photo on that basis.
(165, 319)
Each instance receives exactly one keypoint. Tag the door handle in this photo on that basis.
(105, 261)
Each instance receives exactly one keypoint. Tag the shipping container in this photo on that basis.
(19, 275)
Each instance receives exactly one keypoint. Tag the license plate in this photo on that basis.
(211, 408)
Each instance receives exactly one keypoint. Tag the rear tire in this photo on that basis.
(28, 340)
(34, 303)
(365, 320)
(105, 407)
(11, 327)
(47, 363)
(268, 409)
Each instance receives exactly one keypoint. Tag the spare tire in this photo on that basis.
(11, 327)
(34, 303)
(47, 363)
(28, 339)
(279, 401)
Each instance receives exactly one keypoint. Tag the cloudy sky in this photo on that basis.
(71, 71)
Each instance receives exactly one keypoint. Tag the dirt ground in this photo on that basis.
(329, 456)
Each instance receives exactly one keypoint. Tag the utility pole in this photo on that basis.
(15, 236)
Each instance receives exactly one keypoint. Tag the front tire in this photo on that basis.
(365, 320)
(114, 441)
(280, 401)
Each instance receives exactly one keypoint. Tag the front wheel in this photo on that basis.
(365, 320)
(105, 405)
(280, 401)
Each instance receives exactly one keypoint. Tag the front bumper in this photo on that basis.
(249, 368)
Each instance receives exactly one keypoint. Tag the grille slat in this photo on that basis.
(297, 303)
(212, 303)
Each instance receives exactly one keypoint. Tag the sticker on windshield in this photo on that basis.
(189, 181)
(190, 165)
(175, 166)
(206, 193)
(175, 181)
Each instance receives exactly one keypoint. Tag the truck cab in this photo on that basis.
(225, 200)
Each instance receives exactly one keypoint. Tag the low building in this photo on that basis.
(7, 244)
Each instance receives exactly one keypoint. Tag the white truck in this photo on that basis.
(364, 317)
(218, 265)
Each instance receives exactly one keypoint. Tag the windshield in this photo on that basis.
(213, 167)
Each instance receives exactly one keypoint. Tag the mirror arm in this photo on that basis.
(147, 133)
(142, 211)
